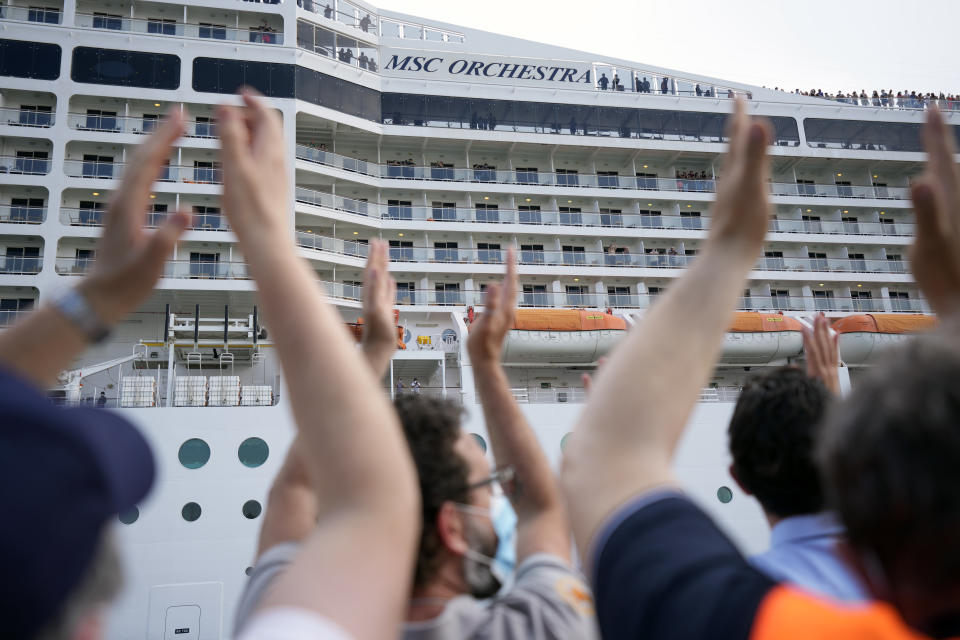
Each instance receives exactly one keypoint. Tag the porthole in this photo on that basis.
(129, 516)
(563, 442)
(480, 441)
(194, 453)
(191, 511)
(248, 570)
(724, 495)
(251, 509)
(253, 452)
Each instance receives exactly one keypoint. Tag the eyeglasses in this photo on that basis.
(495, 480)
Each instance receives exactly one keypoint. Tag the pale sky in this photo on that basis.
(806, 44)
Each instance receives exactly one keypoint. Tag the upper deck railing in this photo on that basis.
(611, 219)
(256, 35)
(533, 177)
(581, 258)
(136, 124)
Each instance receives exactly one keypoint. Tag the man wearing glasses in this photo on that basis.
(467, 548)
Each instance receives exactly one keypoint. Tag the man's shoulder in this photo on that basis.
(548, 600)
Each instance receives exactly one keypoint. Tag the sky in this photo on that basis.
(808, 44)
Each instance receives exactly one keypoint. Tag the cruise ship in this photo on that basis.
(452, 144)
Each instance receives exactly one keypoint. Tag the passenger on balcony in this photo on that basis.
(698, 90)
(616, 83)
(363, 60)
(365, 23)
(664, 85)
(328, 11)
(603, 81)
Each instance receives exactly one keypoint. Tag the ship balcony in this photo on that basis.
(23, 205)
(42, 12)
(40, 114)
(533, 215)
(490, 174)
(21, 255)
(161, 19)
(204, 173)
(15, 303)
(25, 156)
(576, 256)
(144, 121)
(174, 269)
(82, 208)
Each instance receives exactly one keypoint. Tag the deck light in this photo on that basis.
(528, 199)
(644, 166)
(153, 196)
(839, 175)
(859, 285)
(356, 233)
(400, 234)
(821, 284)
(156, 104)
(486, 197)
(96, 193)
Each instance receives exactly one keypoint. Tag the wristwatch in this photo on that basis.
(75, 307)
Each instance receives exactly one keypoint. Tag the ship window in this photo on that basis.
(724, 495)
(253, 452)
(129, 516)
(480, 441)
(22, 59)
(125, 68)
(191, 511)
(862, 135)
(251, 509)
(194, 453)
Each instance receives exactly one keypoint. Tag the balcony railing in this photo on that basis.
(579, 219)
(26, 117)
(77, 217)
(10, 316)
(21, 265)
(24, 166)
(584, 180)
(256, 35)
(114, 170)
(136, 124)
(43, 15)
(22, 215)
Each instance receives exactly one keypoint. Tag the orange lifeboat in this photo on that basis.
(863, 338)
(573, 336)
(761, 338)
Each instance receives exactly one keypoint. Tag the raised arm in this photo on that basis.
(822, 349)
(935, 256)
(542, 525)
(355, 568)
(292, 508)
(379, 296)
(129, 262)
(626, 435)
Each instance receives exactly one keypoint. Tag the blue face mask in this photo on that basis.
(498, 568)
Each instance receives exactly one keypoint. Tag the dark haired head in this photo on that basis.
(432, 429)
(772, 435)
(890, 457)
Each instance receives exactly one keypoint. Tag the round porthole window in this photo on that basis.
(253, 452)
(191, 511)
(251, 509)
(129, 516)
(194, 453)
(724, 495)
(248, 570)
(480, 441)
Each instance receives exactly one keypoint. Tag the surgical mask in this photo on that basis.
(486, 569)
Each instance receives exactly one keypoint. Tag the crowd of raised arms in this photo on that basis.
(387, 520)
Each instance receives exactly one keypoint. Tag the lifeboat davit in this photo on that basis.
(572, 336)
(864, 338)
(761, 338)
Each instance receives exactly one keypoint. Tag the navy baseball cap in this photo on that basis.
(64, 474)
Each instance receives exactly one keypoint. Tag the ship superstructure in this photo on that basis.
(452, 144)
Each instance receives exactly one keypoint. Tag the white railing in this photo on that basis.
(136, 124)
(256, 35)
(26, 117)
(410, 171)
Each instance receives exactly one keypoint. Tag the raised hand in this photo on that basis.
(587, 379)
(485, 343)
(821, 346)
(255, 174)
(742, 209)
(129, 258)
(935, 256)
(379, 296)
